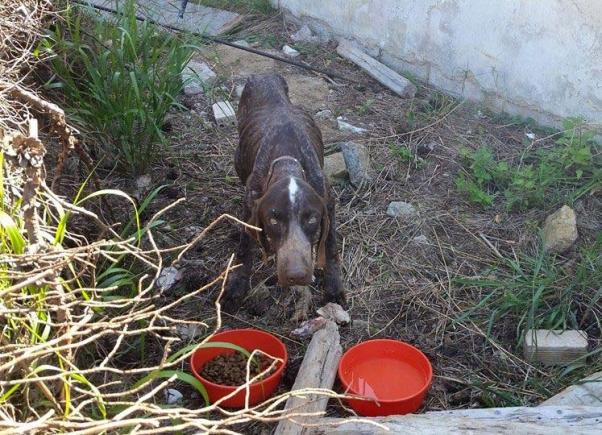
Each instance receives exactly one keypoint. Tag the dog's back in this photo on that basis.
(270, 126)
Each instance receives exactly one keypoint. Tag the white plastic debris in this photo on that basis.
(168, 277)
(172, 396)
(345, 126)
(290, 51)
(530, 136)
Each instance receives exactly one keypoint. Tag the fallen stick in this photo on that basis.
(543, 420)
(381, 73)
(318, 370)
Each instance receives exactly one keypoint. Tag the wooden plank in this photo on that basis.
(318, 370)
(382, 73)
(542, 420)
(197, 18)
(587, 392)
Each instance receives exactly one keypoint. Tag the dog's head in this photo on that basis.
(294, 222)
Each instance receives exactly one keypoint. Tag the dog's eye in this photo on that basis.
(273, 221)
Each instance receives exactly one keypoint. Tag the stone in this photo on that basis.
(238, 90)
(143, 182)
(334, 167)
(196, 76)
(560, 230)
(190, 331)
(334, 312)
(304, 34)
(172, 396)
(554, 347)
(168, 277)
(424, 149)
(357, 161)
(290, 51)
(401, 209)
(197, 18)
(224, 114)
(349, 128)
(419, 240)
(323, 114)
(242, 43)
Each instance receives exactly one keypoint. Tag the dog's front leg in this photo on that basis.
(238, 284)
(333, 286)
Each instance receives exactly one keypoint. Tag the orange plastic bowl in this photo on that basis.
(249, 339)
(394, 376)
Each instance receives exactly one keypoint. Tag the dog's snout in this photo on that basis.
(297, 275)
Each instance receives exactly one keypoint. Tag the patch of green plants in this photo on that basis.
(365, 107)
(403, 153)
(538, 291)
(119, 78)
(545, 176)
(262, 7)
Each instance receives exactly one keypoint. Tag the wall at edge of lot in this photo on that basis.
(534, 58)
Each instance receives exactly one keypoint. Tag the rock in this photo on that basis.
(238, 90)
(168, 277)
(172, 396)
(401, 209)
(334, 167)
(143, 182)
(224, 114)
(334, 312)
(196, 76)
(190, 331)
(418, 240)
(554, 347)
(357, 161)
(323, 114)
(304, 34)
(349, 128)
(560, 230)
(290, 51)
(242, 43)
(424, 149)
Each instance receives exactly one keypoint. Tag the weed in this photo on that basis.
(404, 154)
(119, 80)
(539, 291)
(365, 107)
(564, 173)
(262, 7)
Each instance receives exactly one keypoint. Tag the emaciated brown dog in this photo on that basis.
(280, 159)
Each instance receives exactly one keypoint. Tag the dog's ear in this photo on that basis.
(325, 229)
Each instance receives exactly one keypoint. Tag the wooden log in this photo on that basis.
(587, 392)
(318, 370)
(541, 420)
(381, 73)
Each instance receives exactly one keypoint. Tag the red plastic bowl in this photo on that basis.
(394, 375)
(249, 339)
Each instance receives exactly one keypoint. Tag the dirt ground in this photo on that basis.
(397, 286)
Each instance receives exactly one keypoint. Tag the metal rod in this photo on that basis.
(324, 71)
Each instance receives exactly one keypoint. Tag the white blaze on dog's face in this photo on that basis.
(290, 214)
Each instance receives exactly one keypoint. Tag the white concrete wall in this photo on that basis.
(537, 58)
